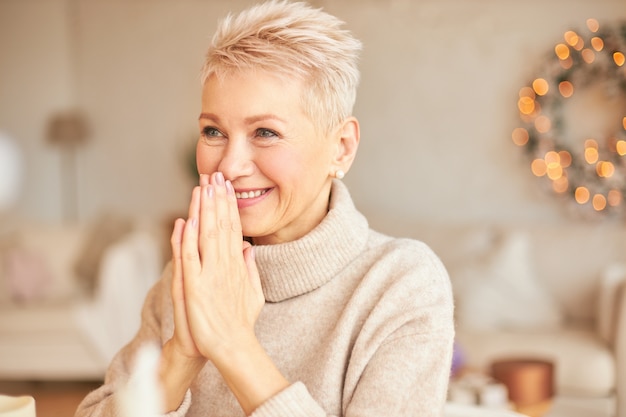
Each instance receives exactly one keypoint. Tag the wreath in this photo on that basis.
(573, 116)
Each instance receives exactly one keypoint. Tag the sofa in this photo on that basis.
(547, 292)
(71, 294)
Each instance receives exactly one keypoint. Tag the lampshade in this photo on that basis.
(10, 171)
(67, 129)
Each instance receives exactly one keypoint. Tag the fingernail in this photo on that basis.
(229, 187)
(194, 222)
(219, 178)
(209, 191)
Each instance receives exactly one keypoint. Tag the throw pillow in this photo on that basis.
(37, 263)
(500, 291)
(104, 231)
(27, 275)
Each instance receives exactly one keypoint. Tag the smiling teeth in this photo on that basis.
(249, 194)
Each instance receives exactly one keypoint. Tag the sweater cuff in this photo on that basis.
(293, 401)
(182, 408)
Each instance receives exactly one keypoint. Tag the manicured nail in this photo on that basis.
(209, 191)
(194, 222)
(219, 178)
(229, 187)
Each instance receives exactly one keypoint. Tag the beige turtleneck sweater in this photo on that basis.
(361, 323)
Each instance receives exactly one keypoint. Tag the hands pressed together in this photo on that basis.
(217, 298)
(216, 289)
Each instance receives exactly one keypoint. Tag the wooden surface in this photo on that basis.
(52, 399)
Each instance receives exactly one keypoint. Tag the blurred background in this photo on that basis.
(98, 120)
(437, 102)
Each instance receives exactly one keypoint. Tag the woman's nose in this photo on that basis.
(236, 160)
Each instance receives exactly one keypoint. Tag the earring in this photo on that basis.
(339, 174)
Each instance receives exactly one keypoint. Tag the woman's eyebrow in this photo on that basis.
(247, 120)
(208, 116)
(262, 117)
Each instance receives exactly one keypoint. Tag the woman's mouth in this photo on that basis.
(251, 197)
(244, 195)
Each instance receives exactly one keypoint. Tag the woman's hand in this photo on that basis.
(182, 340)
(181, 361)
(217, 297)
(216, 292)
(222, 290)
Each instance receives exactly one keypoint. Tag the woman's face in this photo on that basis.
(254, 130)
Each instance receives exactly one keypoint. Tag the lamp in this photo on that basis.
(68, 130)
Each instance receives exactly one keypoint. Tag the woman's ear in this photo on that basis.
(348, 137)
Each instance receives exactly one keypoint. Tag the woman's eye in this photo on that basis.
(211, 132)
(266, 133)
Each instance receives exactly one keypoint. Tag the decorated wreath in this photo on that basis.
(573, 117)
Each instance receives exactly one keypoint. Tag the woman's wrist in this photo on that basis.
(177, 372)
(250, 374)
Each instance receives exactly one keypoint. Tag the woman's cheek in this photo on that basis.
(206, 161)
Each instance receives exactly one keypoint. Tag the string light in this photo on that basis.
(593, 174)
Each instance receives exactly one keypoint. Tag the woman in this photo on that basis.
(280, 301)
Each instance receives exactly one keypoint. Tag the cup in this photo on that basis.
(22, 406)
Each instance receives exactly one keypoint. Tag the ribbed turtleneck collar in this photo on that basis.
(295, 268)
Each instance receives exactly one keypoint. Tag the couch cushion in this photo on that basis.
(570, 259)
(583, 363)
(568, 256)
(45, 343)
(37, 264)
(105, 231)
(499, 290)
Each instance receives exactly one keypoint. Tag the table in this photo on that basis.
(465, 410)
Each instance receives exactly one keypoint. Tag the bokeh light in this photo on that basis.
(614, 198)
(541, 86)
(565, 158)
(566, 63)
(581, 194)
(561, 51)
(526, 105)
(566, 89)
(605, 169)
(571, 38)
(520, 136)
(560, 185)
(599, 202)
(597, 43)
(591, 155)
(543, 124)
(593, 25)
(538, 167)
(588, 56)
(527, 92)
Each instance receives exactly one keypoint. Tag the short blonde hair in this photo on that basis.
(294, 40)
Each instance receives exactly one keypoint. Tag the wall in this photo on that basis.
(36, 78)
(437, 101)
